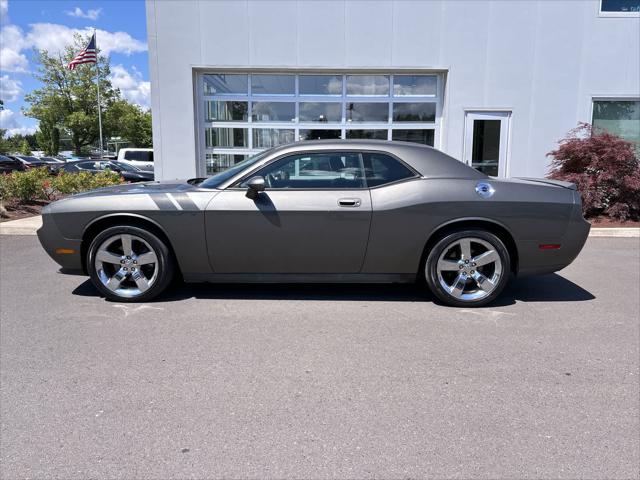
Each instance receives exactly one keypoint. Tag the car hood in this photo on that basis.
(175, 186)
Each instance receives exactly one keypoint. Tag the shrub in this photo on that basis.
(68, 183)
(604, 167)
(27, 186)
(5, 186)
(38, 184)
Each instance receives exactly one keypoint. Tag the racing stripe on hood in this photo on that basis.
(162, 201)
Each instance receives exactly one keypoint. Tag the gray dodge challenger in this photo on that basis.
(322, 211)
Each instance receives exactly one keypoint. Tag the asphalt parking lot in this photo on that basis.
(316, 381)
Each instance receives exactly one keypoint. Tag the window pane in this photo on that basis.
(319, 134)
(414, 112)
(620, 6)
(367, 112)
(369, 134)
(320, 84)
(404, 85)
(316, 170)
(273, 111)
(226, 137)
(380, 169)
(367, 85)
(272, 137)
(217, 162)
(485, 152)
(320, 112)
(425, 137)
(226, 83)
(620, 117)
(225, 111)
(273, 84)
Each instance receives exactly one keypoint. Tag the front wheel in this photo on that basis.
(468, 268)
(129, 264)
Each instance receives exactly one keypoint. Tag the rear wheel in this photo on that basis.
(129, 264)
(468, 268)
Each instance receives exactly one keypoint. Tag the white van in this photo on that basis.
(138, 157)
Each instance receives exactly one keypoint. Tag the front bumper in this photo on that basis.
(54, 243)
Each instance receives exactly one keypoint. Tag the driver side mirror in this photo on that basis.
(255, 185)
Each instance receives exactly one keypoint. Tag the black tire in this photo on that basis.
(448, 242)
(164, 264)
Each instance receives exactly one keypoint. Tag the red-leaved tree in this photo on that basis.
(604, 167)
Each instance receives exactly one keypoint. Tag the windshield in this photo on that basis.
(216, 180)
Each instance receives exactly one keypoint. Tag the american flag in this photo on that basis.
(86, 55)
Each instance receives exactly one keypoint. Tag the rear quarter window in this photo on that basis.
(139, 156)
(381, 169)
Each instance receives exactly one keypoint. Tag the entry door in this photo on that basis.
(313, 217)
(323, 231)
(486, 142)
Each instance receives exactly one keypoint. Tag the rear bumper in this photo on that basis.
(54, 243)
(536, 261)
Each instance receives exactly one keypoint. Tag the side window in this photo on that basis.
(380, 169)
(138, 155)
(87, 166)
(315, 170)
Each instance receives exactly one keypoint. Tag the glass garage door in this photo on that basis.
(242, 114)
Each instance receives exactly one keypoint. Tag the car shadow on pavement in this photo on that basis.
(547, 288)
(543, 288)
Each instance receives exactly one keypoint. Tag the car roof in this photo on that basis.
(426, 160)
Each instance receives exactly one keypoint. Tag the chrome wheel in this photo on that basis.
(126, 265)
(469, 269)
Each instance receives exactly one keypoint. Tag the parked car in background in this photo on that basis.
(138, 157)
(52, 160)
(28, 161)
(128, 172)
(8, 165)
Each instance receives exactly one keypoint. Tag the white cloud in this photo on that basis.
(131, 85)
(12, 61)
(13, 123)
(90, 14)
(54, 37)
(12, 42)
(4, 8)
(10, 89)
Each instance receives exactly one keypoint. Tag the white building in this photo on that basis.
(493, 83)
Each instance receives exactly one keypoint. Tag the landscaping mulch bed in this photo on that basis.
(606, 222)
(17, 210)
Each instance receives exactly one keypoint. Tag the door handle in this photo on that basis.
(349, 202)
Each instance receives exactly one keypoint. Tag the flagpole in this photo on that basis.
(98, 90)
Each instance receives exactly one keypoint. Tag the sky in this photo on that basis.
(121, 33)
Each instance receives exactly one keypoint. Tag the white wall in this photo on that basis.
(544, 60)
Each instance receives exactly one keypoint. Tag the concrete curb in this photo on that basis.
(28, 226)
(24, 226)
(615, 232)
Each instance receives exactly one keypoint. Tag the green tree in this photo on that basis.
(25, 149)
(15, 142)
(67, 98)
(129, 121)
(48, 137)
(5, 145)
